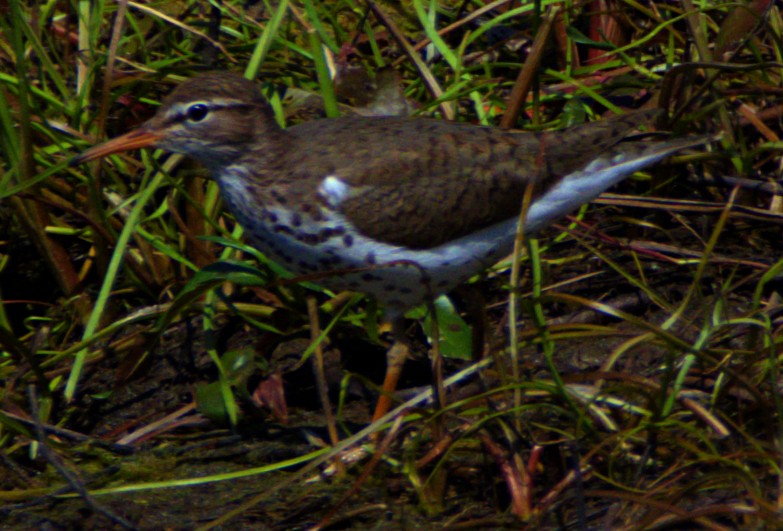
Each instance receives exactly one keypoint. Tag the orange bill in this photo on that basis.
(138, 138)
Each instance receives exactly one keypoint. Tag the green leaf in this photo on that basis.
(454, 333)
(580, 38)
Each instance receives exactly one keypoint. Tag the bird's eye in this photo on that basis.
(197, 112)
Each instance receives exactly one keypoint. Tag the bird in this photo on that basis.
(400, 208)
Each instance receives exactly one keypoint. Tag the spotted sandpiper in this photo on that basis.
(400, 208)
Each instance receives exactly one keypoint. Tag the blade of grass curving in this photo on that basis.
(229, 402)
(377, 54)
(310, 461)
(20, 353)
(9, 191)
(592, 92)
(52, 71)
(314, 19)
(704, 261)
(264, 43)
(446, 107)
(33, 216)
(166, 250)
(648, 36)
(513, 300)
(342, 446)
(624, 347)
(659, 332)
(332, 323)
(697, 22)
(771, 274)
(427, 21)
(475, 34)
(120, 248)
(630, 278)
(9, 142)
(85, 49)
(539, 320)
(324, 79)
(47, 97)
(185, 27)
(206, 480)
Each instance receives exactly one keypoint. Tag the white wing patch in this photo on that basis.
(333, 190)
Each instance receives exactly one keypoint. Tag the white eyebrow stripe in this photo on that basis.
(180, 108)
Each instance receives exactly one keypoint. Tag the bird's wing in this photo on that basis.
(420, 183)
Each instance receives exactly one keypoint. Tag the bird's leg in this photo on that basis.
(395, 359)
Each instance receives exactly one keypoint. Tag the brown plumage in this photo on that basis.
(360, 192)
(400, 208)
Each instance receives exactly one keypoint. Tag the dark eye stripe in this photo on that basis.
(183, 116)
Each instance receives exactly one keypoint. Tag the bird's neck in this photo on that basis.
(254, 141)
